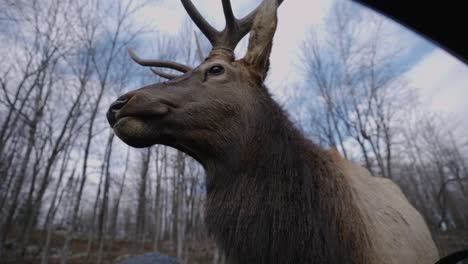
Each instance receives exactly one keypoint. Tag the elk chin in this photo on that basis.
(134, 131)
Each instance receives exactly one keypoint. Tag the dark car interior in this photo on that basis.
(443, 24)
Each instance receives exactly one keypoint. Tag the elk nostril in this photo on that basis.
(115, 107)
(119, 103)
(123, 98)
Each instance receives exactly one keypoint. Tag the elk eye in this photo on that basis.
(216, 70)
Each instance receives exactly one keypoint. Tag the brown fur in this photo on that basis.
(283, 200)
(273, 196)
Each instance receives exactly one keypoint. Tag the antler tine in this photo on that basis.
(164, 75)
(228, 14)
(245, 24)
(201, 23)
(159, 63)
(235, 29)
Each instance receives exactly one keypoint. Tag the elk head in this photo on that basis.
(210, 108)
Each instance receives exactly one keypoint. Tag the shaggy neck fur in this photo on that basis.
(279, 198)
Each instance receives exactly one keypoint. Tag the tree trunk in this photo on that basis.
(141, 210)
(115, 213)
(105, 199)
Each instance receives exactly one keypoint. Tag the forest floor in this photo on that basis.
(452, 241)
(199, 252)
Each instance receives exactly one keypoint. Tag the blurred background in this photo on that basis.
(72, 192)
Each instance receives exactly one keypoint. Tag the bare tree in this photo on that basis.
(103, 66)
(362, 95)
(103, 215)
(30, 98)
(435, 163)
(140, 235)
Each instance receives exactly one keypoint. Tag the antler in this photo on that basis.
(159, 63)
(227, 39)
(232, 34)
(164, 75)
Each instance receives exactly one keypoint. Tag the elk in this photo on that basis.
(273, 196)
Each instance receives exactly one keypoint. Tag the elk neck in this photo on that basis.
(266, 148)
(279, 198)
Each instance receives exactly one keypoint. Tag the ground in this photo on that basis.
(200, 252)
(451, 241)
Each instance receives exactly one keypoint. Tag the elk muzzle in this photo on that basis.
(143, 104)
(114, 109)
(138, 117)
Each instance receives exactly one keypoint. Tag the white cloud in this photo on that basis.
(165, 18)
(295, 19)
(442, 82)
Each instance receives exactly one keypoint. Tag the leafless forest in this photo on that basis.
(71, 192)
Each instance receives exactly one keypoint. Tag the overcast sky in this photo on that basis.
(441, 79)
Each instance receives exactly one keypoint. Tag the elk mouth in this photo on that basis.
(147, 111)
(148, 116)
(138, 131)
(140, 124)
(128, 118)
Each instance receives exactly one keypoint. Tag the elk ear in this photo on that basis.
(261, 37)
